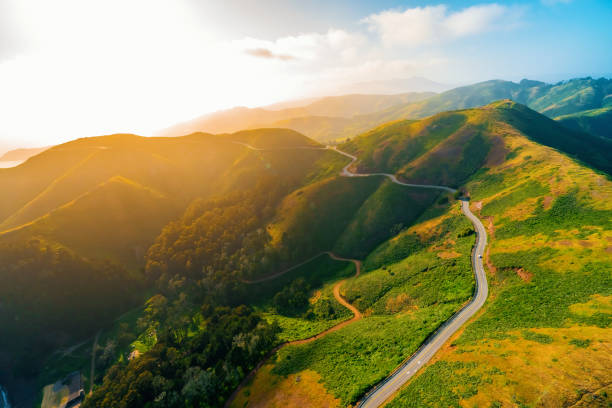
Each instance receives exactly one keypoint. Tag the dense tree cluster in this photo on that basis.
(216, 243)
(292, 300)
(195, 371)
(204, 341)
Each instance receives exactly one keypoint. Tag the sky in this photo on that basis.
(75, 68)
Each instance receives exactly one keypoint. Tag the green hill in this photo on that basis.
(79, 218)
(116, 220)
(594, 121)
(238, 214)
(462, 140)
(551, 100)
(549, 225)
(336, 118)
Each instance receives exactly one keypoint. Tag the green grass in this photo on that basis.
(580, 343)
(543, 302)
(443, 384)
(519, 194)
(409, 299)
(538, 337)
(423, 277)
(389, 147)
(320, 274)
(567, 212)
(355, 358)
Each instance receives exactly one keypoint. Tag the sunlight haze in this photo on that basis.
(73, 68)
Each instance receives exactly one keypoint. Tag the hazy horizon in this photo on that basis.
(161, 63)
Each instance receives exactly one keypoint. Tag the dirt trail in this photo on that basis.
(356, 315)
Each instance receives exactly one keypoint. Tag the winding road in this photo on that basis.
(336, 290)
(388, 387)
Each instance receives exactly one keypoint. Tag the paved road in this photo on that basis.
(395, 381)
(383, 391)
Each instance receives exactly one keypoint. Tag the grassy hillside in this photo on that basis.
(116, 220)
(594, 121)
(79, 218)
(549, 222)
(543, 336)
(551, 100)
(349, 216)
(464, 141)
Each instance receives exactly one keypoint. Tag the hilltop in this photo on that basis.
(550, 226)
(77, 220)
(462, 141)
(216, 215)
(336, 118)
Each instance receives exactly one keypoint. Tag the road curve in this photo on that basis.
(383, 391)
(336, 290)
(388, 387)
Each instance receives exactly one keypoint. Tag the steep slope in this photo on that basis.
(116, 220)
(462, 140)
(551, 100)
(544, 333)
(62, 173)
(79, 218)
(595, 121)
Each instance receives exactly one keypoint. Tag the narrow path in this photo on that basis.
(388, 387)
(356, 316)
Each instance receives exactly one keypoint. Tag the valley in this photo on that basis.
(278, 204)
(381, 198)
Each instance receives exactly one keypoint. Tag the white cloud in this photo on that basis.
(435, 24)
(310, 47)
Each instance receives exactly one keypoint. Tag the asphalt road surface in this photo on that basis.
(383, 391)
(388, 387)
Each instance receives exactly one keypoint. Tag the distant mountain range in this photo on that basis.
(346, 116)
(337, 107)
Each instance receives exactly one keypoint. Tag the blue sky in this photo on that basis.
(72, 68)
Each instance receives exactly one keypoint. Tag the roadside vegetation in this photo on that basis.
(544, 332)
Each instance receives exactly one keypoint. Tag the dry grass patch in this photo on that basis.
(399, 303)
(542, 374)
(303, 389)
(598, 303)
